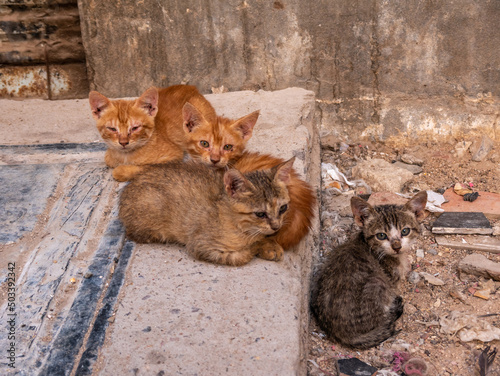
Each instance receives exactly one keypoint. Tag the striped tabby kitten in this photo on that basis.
(356, 300)
(221, 216)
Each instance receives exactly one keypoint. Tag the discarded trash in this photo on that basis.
(471, 196)
(72, 280)
(468, 327)
(336, 181)
(462, 189)
(486, 360)
(434, 201)
(415, 367)
(354, 367)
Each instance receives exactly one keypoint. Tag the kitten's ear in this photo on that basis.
(236, 184)
(191, 117)
(98, 103)
(283, 171)
(148, 101)
(361, 210)
(245, 124)
(417, 205)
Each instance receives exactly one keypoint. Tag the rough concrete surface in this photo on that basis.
(378, 68)
(91, 303)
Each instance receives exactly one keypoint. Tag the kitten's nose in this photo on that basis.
(396, 246)
(275, 226)
(123, 143)
(214, 160)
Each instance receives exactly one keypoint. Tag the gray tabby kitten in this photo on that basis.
(355, 299)
(221, 217)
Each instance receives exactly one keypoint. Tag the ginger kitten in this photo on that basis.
(221, 217)
(146, 130)
(356, 299)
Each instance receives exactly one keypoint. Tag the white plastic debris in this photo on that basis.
(336, 181)
(434, 201)
(468, 327)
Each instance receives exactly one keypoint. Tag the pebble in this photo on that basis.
(431, 279)
(432, 251)
(414, 277)
(420, 253)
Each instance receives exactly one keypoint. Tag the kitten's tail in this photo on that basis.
(381, 333)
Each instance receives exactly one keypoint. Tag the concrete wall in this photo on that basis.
(379, 68)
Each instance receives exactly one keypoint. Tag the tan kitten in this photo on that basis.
(223, 144)
(220, 216)
(355, 298)
(146, 130)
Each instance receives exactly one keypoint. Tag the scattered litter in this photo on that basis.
(462, 223)
(462, 189)
(486, 360)
(386, 372)
(471, 196)
(483, 294)
(354, 367)
(72, 280)
(335, 180)
(415, 367)
(468, 327)
(432, 279)
(434, 201)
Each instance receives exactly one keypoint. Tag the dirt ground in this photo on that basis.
(421, 334)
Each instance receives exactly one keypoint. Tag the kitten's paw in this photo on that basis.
(126, 172)
(269, 250)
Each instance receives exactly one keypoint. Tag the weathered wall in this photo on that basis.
(379, 68)
(36, 36)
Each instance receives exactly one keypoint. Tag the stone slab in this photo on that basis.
(487, 203)
(473, 243)
(462, 223)
(154, 307)
(177, 315)
(479, 265)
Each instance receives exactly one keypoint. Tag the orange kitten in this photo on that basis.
(146, 130)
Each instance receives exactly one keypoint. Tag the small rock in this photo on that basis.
(456, 294)
(88, 275)
(461, 148)
(415, 170)
(381, 175)
(410, 309)
(412, 160)
(329, 142)
(431, 279)
(111, 319)
(437, 303)
(479, 265)
(480, 149)
(496, 230)
(414, 277)
(420, 253)
(146, 329)
(433, 251)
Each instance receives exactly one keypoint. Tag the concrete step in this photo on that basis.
(89, 302)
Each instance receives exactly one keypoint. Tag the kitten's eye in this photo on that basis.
(111, 129)
(228, 147)
(283, 209)
(405, 231)
(204, 143)
(381, 236)
(135, 129)
(261, 214)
